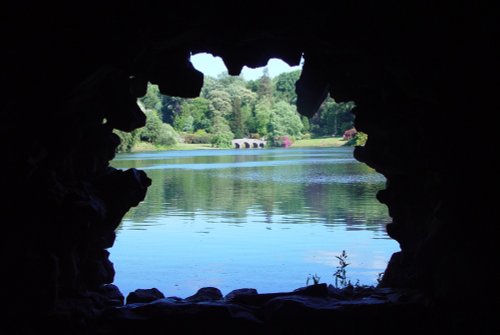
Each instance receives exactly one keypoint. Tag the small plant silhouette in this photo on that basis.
(340, 275)
(314, 278)
(380, 277)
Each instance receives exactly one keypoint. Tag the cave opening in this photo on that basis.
(419, 72)
(239, 209)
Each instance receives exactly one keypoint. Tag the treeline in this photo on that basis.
(231, 107)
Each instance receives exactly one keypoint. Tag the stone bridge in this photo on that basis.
(248, 143)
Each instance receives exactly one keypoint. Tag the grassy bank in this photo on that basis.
(145, 146)
(187, 146)
(310, 143)
(319, 142)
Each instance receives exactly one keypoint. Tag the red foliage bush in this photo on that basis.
(349, 134)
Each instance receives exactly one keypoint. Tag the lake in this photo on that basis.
(251, 218)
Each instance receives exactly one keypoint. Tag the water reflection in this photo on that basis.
(249, 216)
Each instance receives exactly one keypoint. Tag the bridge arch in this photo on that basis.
(248, 143)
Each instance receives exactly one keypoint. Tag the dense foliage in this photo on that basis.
(231, 107)
(359, 139)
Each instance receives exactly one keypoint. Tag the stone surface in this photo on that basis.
(242, 291)
(144, 295)
(113, 293)
(206, 294)
(294, 312)
(317, 290)
(312, 87)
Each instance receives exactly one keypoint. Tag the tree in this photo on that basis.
(222, 134)
(220, 103)
(237, 123)
(171, 107)
(230, 106)
(152, 99)
(265, 88)
(284, 85)
(252, 85)
(127, 140)
(167, 106)
(199, 109)
(306, 127)
(167, 136)
(157, 132)
(260, 118)
(184, 122)
(284, 121)
(333, 118)
(209, 84)
(242, 101)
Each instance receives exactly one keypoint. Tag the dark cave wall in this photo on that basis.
(70, 79)
(65, 87)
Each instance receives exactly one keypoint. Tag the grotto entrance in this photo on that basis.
(417, 71)
(266, 220)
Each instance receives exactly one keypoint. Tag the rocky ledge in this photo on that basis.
(351, 310)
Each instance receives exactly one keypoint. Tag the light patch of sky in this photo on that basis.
(213, 66)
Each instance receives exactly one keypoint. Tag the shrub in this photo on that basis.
(282, 141)
(349, 134)
(358, 140)
(127, 140)
(222, 139)
(199, 137)
(157, 132)
(166, 136)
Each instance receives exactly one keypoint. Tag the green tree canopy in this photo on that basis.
(333, 118)
(157, 132)
(230, 107)
(285, 86)
(153, 98)
(284, 120)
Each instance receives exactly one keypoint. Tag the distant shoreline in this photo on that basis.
(324, 142)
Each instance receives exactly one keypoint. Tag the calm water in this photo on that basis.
(264, 219)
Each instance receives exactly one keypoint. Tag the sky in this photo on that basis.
(213, 66)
